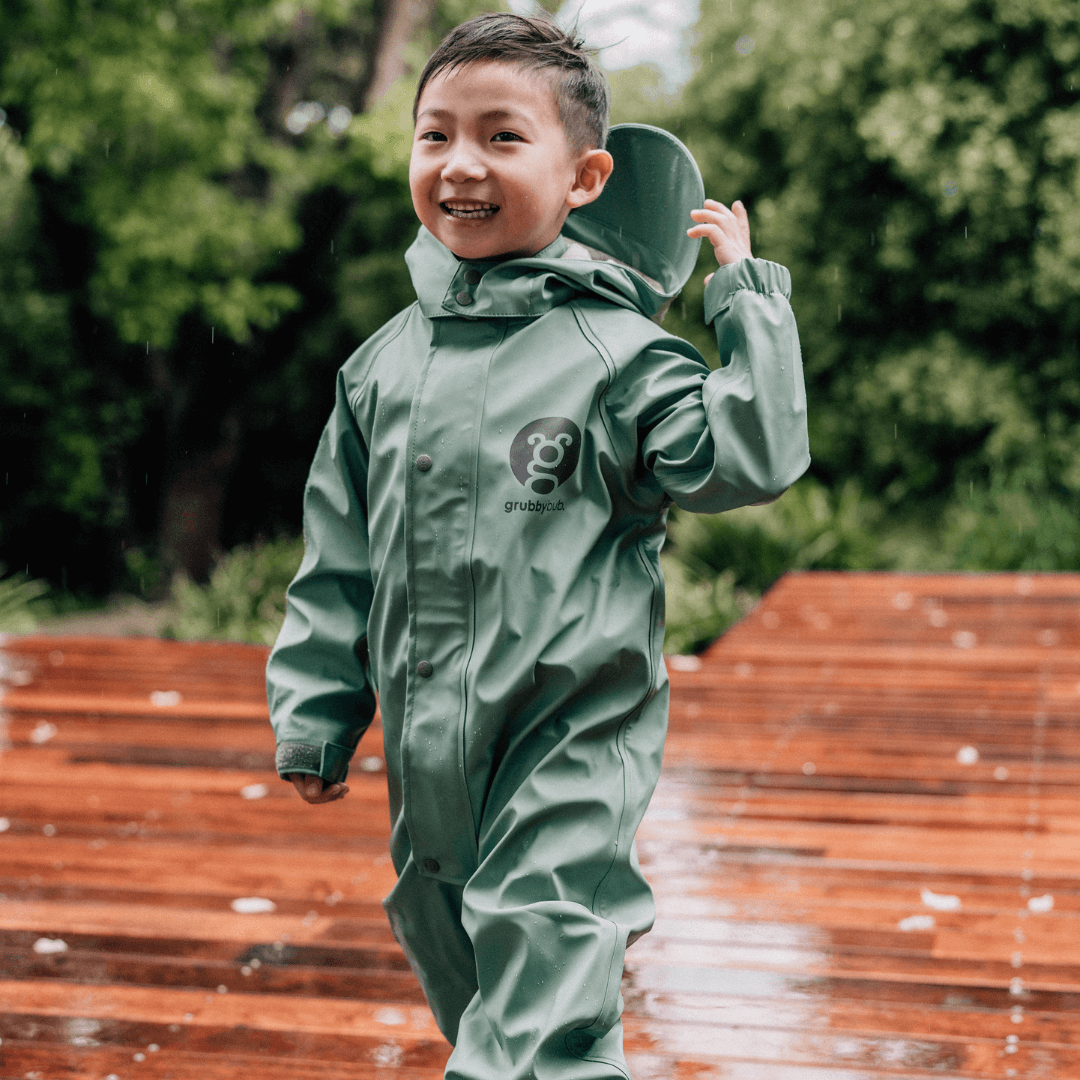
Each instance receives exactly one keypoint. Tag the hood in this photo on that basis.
(642, 215)
(629, 246)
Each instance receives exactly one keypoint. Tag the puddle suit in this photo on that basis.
(482, 525)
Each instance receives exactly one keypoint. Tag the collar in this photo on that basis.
(447, 286)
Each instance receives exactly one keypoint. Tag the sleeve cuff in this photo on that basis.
(330, 761)
(757, 275)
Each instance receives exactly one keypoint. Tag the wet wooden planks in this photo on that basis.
(863, 846)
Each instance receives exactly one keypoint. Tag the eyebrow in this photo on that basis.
(490, 114)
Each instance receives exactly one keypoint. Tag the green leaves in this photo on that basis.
(148, 123)
(718, 566)
(244, 599)
(20, 603)
(917, 166)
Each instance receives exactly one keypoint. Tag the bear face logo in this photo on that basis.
(545, 453)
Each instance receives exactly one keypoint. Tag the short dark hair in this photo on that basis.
(535, 44)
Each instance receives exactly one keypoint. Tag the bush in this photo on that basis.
(699, 610)
(1013, 527)
(20, 603)
(717, 566)
(244, 599)
(808, 527)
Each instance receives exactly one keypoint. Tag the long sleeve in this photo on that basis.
(736, 435)
(321, 699)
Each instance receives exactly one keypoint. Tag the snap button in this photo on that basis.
(423, 463)
(464, 298)
(424, 669)
(472, 277)
(431, 866)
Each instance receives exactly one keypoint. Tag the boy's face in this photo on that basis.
(492, 172)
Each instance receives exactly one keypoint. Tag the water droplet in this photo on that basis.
(940, 901)
(49, 946)
(252, 905)
(916, 922)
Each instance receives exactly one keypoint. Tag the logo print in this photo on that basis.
(545, 453)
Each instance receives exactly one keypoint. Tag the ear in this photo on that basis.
(594, 168)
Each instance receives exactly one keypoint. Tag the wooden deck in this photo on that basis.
(865, 848)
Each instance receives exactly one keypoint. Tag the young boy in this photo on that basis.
(483, 521)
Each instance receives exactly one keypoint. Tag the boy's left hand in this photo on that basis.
(313, 789)
(727, 230)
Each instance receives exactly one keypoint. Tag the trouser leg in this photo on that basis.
(548, 1006)
(557, 894)
(425, 916)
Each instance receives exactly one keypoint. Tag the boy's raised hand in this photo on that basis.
(727, 230)
(313, 789)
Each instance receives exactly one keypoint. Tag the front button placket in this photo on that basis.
(440, 510)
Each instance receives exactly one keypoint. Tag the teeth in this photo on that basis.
(471, 210)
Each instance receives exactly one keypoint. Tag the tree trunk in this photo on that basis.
(200, 460)
(192, 506)
(398, 22)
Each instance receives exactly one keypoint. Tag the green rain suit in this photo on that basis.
(482, 525)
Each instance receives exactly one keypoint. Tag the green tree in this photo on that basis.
(916, 164)
(190, 220)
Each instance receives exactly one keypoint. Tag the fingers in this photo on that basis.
(713, 233)
(332, 793)
(743, 219)
(727, 230)
(717, 214)
(312, 789)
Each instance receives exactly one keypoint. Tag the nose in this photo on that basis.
(463, 163)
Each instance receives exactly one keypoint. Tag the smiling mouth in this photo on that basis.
(469, 211)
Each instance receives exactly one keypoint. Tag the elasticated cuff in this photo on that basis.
(329, 761)
(757, 275)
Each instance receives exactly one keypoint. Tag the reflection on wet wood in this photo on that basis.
(864, 848)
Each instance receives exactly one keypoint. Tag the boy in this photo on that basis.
(483, 520)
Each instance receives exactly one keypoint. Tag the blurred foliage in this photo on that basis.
(699, 610)
(716, 567)
(244, 599)
(184, 264)
(810, 527)
(21, 603)
(917, 167)
(638, 96)
(1005, 528)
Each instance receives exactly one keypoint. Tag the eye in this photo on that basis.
(433, 136)
(506, 136)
